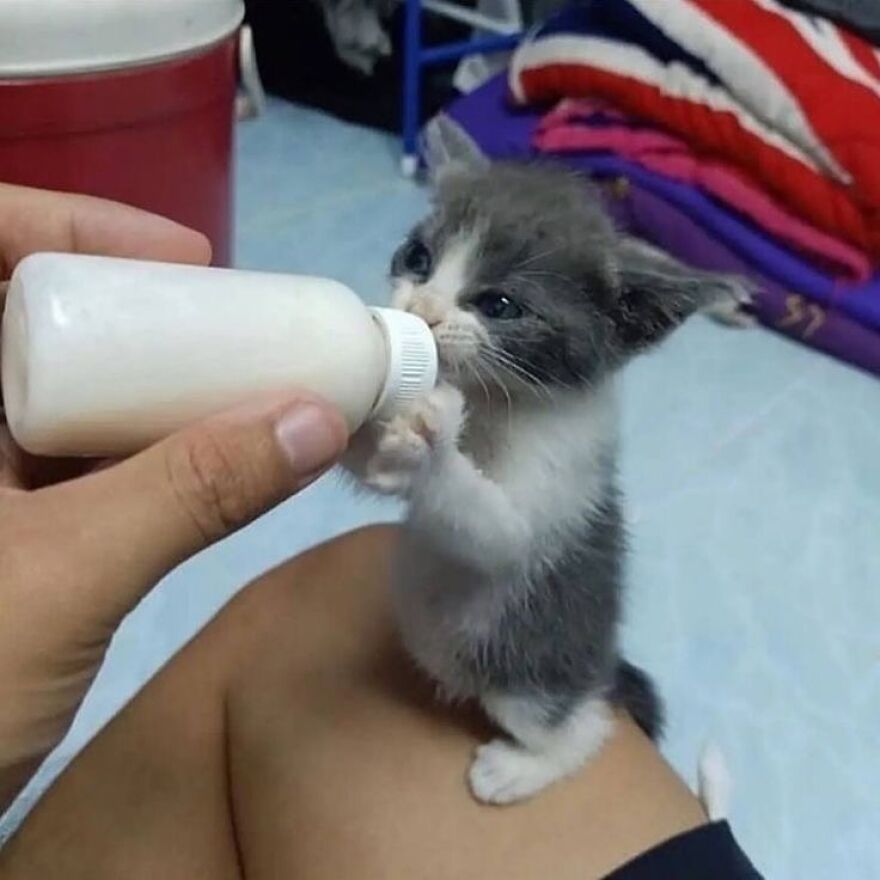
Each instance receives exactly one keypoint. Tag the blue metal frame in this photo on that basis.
(415, 58)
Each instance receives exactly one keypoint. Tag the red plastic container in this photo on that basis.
(155, 132)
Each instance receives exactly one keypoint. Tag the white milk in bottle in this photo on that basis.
(103, 356)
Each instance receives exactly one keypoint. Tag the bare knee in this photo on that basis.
(328, 600)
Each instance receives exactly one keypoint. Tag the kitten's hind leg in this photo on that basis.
(543, 749)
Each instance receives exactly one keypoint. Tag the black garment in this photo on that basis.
(297, 61)
(861, 16)
(706, 853)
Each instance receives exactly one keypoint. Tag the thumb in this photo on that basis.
(119, 530)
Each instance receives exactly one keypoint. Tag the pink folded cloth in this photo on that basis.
(591, 126)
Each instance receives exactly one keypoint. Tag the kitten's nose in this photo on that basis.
(428, 310)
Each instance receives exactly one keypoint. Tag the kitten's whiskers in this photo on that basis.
(513, 367)
(495, 378)
(535, 257)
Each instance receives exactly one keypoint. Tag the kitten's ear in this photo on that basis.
(657, 293)
(448, 149)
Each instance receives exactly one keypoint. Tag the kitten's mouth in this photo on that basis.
(450, 369)
(443, 353)
(449, 357)
(457, 352)
(445, 367)
(444, 350)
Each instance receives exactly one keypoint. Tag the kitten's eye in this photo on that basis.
(497, 305)
(417, 259)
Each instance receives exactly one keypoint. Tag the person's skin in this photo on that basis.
(77, 554)
(292, 739)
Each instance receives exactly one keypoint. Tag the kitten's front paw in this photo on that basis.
(407, 442)
(503, 773)
(438, 417)
(400, 454)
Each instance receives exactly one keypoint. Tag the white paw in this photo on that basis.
(400, 455)
(503, 773)
(438, 416)
(407, 442)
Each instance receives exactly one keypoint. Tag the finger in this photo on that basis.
(125, 527)
(10, 461)
(34, 220)
(34, 472)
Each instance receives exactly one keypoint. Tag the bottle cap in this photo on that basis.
(412, 360)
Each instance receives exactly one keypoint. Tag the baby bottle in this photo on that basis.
(103, 356)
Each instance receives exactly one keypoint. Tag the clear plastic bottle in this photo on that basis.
(103, 356)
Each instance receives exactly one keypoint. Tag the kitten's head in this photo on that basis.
(527, 285)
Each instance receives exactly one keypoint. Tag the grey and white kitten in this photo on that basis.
(510, 570)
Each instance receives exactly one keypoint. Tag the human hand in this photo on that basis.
(78, 550)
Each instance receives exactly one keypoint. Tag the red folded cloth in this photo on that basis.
(808, 132)
(591, 126)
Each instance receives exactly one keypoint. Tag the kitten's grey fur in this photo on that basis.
(510, 572)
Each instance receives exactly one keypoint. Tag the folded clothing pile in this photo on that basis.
(740, 136)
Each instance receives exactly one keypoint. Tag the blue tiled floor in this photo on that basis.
(751, 467)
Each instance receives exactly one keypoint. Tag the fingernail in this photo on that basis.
(308, 438)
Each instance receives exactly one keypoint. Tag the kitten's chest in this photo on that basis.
(485, 452)
(561, 450)
(521, 455)
(487, 441)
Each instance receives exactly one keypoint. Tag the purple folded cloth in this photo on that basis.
(794, 298)
(649, 216)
